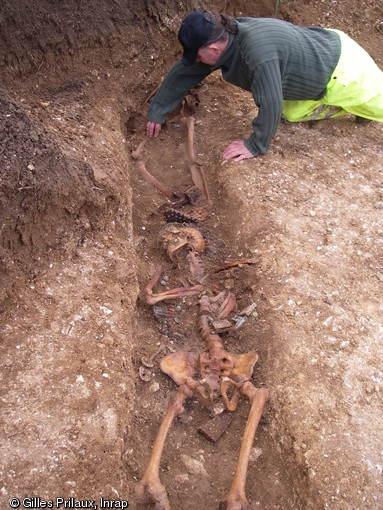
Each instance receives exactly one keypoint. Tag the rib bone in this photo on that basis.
(235, 263)
(221, 305)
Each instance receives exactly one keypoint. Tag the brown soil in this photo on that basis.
(79, 242)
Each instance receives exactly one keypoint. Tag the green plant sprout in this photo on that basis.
(277, 7)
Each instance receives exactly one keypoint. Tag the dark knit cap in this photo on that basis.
(194, 33)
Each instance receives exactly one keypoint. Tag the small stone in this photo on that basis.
(182, 478)
(194, 466)
(255, 454)
(229, 284)
(154, 387)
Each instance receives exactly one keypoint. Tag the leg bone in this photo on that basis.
(236, 497)
(150, 487)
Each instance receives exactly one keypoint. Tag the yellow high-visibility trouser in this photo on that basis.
(356, 87)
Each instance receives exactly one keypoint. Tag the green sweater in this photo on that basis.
(272, 59)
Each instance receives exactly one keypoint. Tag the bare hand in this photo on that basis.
(152, 128)
(237, 150)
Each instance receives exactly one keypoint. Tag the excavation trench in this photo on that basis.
(191, 464)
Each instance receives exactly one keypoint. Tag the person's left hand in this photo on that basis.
(237, 150)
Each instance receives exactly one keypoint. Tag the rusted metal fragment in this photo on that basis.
(176, 216)
(214, 428)
(235, 263)
(193, 195)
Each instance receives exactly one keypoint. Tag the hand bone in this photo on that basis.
(176, 293)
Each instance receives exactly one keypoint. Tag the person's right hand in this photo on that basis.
(152, 128)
